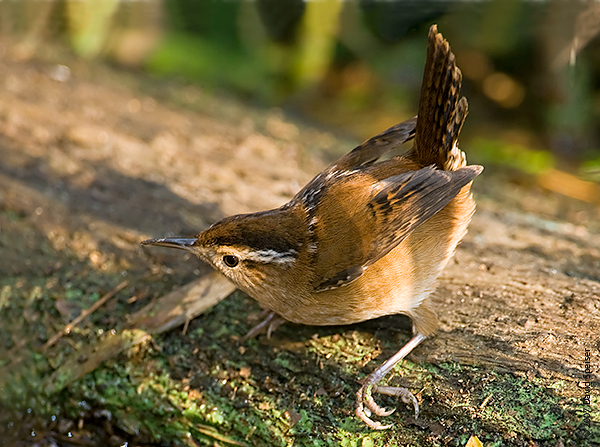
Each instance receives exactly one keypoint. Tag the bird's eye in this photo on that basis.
(230, 260)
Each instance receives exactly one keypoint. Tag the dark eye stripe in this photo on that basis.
(252, 265)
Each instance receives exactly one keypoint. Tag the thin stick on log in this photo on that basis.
(163, 314)
(84, 314)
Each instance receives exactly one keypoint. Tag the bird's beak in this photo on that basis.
(183, 243)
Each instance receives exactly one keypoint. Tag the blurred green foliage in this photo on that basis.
(514, 155)
(197, 59)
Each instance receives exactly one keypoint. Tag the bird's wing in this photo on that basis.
(398, 205)
(372, 149)
(361, 156)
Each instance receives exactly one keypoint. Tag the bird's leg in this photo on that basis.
(274, 324)
(371, 384)
(271, 322)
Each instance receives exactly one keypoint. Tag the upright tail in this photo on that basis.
(442, 111)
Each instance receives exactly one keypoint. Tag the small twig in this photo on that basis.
(485, 401)
(209, 431)
(84, 314)
(136, 297)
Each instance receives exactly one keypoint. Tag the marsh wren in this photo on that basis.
(364, 238)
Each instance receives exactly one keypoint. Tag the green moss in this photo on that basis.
(181, 384)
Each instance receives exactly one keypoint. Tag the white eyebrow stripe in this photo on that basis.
(267, 256)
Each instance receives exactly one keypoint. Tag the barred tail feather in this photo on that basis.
(442, 111)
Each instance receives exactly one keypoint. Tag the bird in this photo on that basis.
(364, 238)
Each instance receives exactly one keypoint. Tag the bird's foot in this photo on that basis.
(364, 399)
(271, 322)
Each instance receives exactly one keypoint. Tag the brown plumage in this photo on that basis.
(364, 238)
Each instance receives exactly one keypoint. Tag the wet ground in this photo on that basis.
(94, 160)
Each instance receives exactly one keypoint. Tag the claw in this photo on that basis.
(405, 394)
(364, 397)
(360, 412)
(374, 406)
